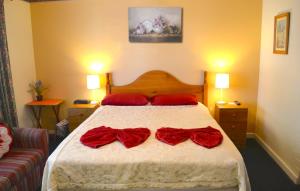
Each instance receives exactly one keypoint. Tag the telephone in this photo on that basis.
(82, 101)
(237, 103)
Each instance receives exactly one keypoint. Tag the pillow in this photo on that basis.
(5, 140)
(125, 99)
(174, 99)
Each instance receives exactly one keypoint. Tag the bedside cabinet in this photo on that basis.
(233, 120)
(77, 113)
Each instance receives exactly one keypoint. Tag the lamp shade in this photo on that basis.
(93, 82)
(222, 80)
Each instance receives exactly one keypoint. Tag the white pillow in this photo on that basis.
(5, 140)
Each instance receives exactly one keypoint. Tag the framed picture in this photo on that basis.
(281, 33)
(155, 24)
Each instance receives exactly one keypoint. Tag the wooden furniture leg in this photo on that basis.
(56, 112)
(37, 115)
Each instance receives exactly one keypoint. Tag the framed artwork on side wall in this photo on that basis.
(161, 24)
(281, 33)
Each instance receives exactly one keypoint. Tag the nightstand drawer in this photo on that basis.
(234, 128)
(236, 115)
(236, 131)
(77, 118)
(74, 123)
(77, 115)
(80, 112)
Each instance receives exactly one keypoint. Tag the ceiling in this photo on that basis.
(40, 0)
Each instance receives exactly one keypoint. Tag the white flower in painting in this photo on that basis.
(148, 26)
(158, 29)
(159, 25)
(140, 29)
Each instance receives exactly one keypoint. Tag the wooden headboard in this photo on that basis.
(158, 82)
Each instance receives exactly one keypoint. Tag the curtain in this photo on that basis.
(8, 112)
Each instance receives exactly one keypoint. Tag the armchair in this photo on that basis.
(22, 167)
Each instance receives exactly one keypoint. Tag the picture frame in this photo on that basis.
(281, 33)
(155, 24)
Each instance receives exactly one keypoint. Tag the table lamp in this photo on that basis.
(93, 83)
(222, 82)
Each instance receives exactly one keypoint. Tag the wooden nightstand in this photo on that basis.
(233, 119)
(77, 113)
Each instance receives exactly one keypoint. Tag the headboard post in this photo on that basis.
(205, 90)
(108, 83)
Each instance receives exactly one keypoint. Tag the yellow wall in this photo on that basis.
(278, 124)
(20, 45)
(70, 35)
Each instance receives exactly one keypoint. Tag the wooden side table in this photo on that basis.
(77, 113)
(36, 107)
(233, 120)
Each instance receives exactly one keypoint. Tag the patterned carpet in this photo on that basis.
(264, 173)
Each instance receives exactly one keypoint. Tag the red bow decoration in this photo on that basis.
(207, 137)
(101, 136)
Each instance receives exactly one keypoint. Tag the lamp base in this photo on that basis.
(221, 102)
(94, 102)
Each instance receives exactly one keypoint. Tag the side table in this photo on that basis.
(36, 107)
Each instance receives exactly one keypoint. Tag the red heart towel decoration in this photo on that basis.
(207, 137)
(172, 136)
(103, 135)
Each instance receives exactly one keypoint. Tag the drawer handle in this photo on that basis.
(233, 126)
(233, 115)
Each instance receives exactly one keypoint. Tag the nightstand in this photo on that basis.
(233, 120)
(77, 113)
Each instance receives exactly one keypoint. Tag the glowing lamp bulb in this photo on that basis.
(93, 82)
(222, 80)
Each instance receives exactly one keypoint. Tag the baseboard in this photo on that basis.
(251, 135)
(278, 160)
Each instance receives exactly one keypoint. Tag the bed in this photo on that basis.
(153, 165)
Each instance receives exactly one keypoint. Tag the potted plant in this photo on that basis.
(38, 89)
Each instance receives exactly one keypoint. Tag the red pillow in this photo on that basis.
(5, 140)
(125, 99)
(174, 99)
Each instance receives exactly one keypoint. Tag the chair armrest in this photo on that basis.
(31, 138)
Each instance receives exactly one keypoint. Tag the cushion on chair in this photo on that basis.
(21, 168)
(5, 140)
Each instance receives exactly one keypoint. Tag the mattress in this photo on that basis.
(151, 165)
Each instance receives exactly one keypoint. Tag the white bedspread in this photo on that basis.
(153, 164)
